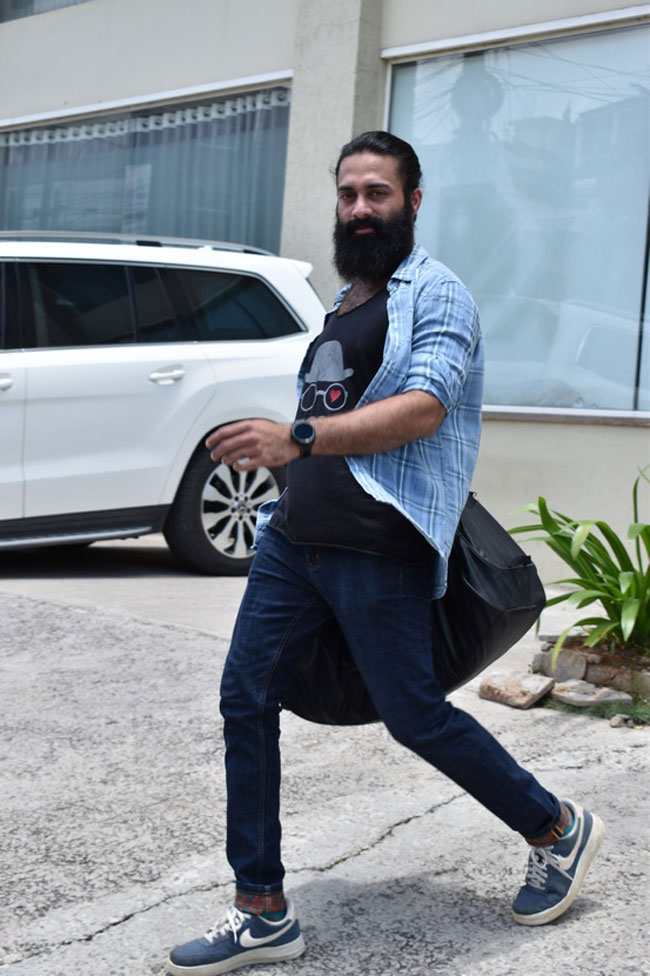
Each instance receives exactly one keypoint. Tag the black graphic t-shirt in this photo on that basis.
(324, 504)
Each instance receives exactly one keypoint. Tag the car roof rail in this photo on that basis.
(144, 240)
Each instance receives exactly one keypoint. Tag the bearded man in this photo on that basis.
(379, 458)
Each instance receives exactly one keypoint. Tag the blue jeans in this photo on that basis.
(382, 607)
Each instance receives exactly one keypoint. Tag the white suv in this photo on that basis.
(116, 361)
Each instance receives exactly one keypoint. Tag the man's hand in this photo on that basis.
(377, 427)
(251, 444)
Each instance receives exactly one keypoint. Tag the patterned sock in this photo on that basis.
(562, 827)
(270, 906)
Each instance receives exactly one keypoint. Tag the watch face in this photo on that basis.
(303, 432)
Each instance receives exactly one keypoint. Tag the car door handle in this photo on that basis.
(6, 381)
(167, 375)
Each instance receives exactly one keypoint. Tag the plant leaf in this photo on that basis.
(616, 546)
(626, 580)
(576, 599)
(579, 537)
(558, 644)
(599, 632)
(629, 613)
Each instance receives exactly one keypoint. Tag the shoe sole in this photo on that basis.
(592, 845)
(270, 954)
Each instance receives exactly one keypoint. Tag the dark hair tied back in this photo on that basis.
(386, 144)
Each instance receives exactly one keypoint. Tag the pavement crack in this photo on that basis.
(114, 923)
(388, 832)
(209, 886)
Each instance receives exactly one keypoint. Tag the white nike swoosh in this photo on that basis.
(566, 863)
(249, 941)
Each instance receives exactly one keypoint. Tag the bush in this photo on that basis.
(605, 572)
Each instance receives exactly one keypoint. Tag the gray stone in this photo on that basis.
(601, 674)
(621, 721)
(584, 693)
(515, 689)
(637, 682)
(539, 662)
(614, 695)
(569, 665)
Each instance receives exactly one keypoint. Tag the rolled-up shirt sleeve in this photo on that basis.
(445, 333)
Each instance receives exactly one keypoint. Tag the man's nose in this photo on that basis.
(361, 208)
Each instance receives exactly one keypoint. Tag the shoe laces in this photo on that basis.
(537, 872)
(538, 864)
(231, 923)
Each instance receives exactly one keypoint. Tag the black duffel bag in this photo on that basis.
(493, 596)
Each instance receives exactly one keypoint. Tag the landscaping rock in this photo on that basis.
(638, 682)
(601, 674)
(569, 665)
(584, 693)
(621, 721)
(593, 667)
(512, 688)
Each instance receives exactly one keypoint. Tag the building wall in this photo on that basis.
(122, 49)
(585, 471)
(416, 21)
(110, 50)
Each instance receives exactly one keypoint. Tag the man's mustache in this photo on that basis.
(363, 223)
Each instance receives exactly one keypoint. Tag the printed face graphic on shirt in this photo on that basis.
(325, 378)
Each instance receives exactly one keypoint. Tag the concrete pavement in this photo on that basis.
(113, 805)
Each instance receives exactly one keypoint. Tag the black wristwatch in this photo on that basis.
(304, 435)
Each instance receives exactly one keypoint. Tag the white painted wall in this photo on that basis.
(584, 471)
(111, 49)
(418, 21)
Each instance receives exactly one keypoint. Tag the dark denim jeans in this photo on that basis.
(382, 607)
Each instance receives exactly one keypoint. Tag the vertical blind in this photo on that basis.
(536, 161)
(212, 170)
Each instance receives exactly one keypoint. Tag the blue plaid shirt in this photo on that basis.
(433, 343)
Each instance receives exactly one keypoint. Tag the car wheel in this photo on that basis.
(211, 525)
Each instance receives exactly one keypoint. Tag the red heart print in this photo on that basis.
(334, 395)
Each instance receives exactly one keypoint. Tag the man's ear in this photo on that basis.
(416, 200)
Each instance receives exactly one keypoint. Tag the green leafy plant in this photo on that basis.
(605, 572)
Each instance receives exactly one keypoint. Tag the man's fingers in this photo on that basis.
(232, 445)
(250, 444)
(218, 437)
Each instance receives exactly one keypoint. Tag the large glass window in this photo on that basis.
(536, 161)
(212, 170)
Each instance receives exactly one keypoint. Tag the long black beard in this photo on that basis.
(372, 257)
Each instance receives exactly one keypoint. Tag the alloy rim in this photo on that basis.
(229, 504)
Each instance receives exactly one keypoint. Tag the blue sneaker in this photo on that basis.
(555, 873)
(238, 939)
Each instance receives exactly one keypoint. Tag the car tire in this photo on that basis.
(211, 524)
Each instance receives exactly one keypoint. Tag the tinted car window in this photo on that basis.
(232, 306)
(155, 315)
(80, 305)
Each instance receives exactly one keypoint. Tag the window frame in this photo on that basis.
(488, 40)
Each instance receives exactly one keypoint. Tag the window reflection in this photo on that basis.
(536, 161)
